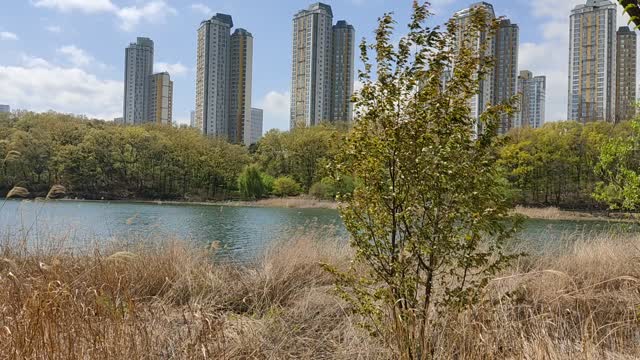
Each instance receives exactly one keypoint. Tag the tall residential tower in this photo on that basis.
(592, 61)
(212, 75)
(161, 99)
(462, 19)
(342, 71)
(322, 71)
(224, 80)
(626, 59)
(137, 81)
(500, 85)
(506, 68)
(240, 82)
(256, 125)
(532, 92)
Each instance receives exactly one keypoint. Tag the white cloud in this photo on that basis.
(54, 29)
(202, 8)
(87, 6)
(76, 56)
(6, 35)
(154, 12)
(40, 86)
(276, 106)
(176, 69)
(32, 62)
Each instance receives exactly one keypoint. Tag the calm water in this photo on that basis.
(242, 232)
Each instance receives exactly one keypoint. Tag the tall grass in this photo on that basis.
(174, 301)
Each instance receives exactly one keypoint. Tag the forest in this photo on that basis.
(555, 165)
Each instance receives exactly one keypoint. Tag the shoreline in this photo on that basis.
(546, 213)
(287, 203)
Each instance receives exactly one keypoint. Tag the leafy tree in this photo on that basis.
(268, 181)
(618, 168)
(250, 183)
(301, 153)
(329, 188)
(632, 9)
(428, 217)
(285, 186)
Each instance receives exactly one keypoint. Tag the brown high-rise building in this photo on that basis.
(592, 61)
(626, 52)
(161, 99)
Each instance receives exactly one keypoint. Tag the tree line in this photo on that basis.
(96, 159)
(556, 165)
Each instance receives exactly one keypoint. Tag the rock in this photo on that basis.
(18, 193)
(57, 192)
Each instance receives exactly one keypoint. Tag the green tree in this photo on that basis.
(428, 217)
(250, 183)
(301, 153)
(618, 169)
(632, 9)
(286, 186)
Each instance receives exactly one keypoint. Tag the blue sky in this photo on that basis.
(68, 55)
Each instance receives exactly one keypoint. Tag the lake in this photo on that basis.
(242, 232)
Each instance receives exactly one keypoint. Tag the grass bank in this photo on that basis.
(553, 213)
(172, 302)
(298, 202)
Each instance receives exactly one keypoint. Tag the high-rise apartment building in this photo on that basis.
(506, 68)
(224, 80)
(240, 87)
(137, 81)
(322, 72)
(592, 61)
(192, 122)
(212, 75)
(626, 59)
(256, 125)
(342, 71)
(161, 99)
(482, 41)
(5, 108)
(532, 92)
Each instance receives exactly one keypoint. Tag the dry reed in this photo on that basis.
(173, 301)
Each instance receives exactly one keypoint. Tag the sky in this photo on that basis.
(68, 55)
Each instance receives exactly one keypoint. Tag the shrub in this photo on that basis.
(250, 183)
(428, 217)
(268, 181)
(322, 191)
(285, 186)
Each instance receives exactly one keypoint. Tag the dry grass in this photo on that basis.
(553, 213)
(172, 301)
(298, 202)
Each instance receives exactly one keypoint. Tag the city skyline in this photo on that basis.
(544, 35)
